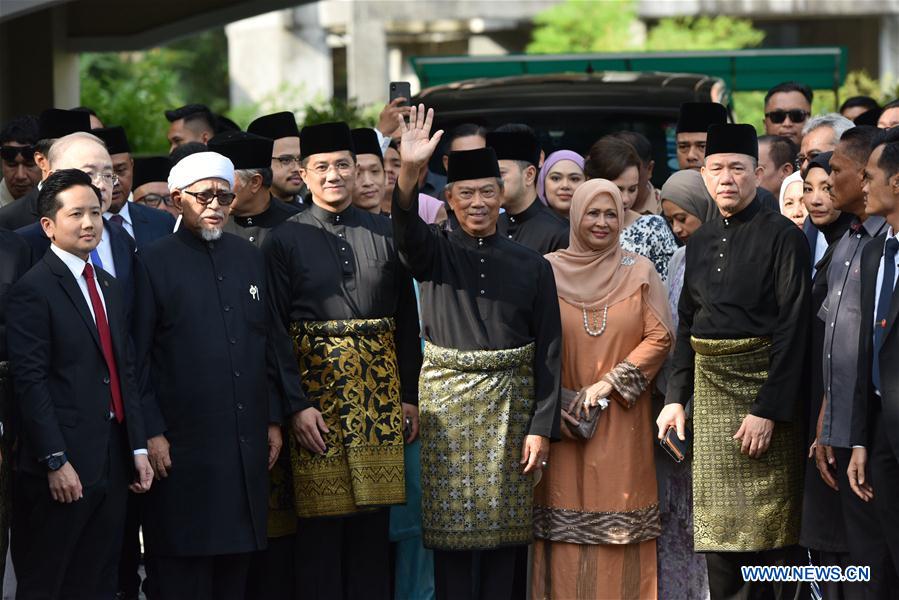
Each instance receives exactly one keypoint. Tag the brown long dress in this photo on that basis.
(602, 492)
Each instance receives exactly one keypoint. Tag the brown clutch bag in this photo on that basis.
(579, 426)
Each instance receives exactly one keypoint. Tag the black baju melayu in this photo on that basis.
(490, 377)
(537, 227)
(744, 320)
(349, 304)
(256, 227)
(207, 381)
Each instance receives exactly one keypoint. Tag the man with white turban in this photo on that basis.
(213, 413)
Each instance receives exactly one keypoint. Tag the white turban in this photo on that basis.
(202, 165)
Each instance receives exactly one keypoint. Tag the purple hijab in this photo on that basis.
(552, 159)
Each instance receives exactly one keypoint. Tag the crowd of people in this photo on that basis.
(293, 362)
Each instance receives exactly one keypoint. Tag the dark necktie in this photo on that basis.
(117, 219)
(105, 343)
(883, 305)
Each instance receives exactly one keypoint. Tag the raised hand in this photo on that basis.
(416, 144)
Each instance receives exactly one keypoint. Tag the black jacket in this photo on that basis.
(20, 213)
(149, 224)
(202, 342)
(865, 410)
(61, 379)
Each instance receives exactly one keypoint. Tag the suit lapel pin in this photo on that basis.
(254, 292)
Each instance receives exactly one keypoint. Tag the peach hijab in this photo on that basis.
(586, 277)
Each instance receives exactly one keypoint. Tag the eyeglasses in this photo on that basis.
(98, 178)
(287, 159)
(9, 154)
(796, 115)
(154, 200)
(205, 197)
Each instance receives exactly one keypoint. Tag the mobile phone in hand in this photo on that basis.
(400, 89)
(676, 448)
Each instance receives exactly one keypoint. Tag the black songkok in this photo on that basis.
(115, 139)
(365, 141)
(869, 117)
(326, 137)
(697, 117)
(515, 145)
(151, 169)
(56, 123)
(822, 161)
(732, 138)
(276, 126)
(189, 110)
(472, 164)
(246, 151)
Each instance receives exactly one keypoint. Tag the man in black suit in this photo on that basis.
(115, 252)
(874, 467)
(53, 124)
(143, 224)
(82, 435)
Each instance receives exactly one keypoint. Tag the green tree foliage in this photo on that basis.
(703, 33)
(132, 92)
(749, 106)
(134, 89)
(611, 26)
(585, 26)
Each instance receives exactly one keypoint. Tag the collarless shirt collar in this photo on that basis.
(743, 216)
(196, 242)
(470, 241)
(529, 213)
(344, 217)
(74, 263)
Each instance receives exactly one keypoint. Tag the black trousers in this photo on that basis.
(477, 574)
(222, 577)
(884, 474)
(129, 561)
(864, 534)
(726, 579)
(271, 571)
(70, 550)
(343, 557)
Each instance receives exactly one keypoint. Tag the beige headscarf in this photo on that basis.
(586, 277)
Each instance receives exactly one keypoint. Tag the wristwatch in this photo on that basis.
(56, 461)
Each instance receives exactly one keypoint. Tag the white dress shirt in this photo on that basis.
(890, 233)
(104, 249)
(125, 213)
(76, 266)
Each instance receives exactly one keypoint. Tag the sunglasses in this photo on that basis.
(154, 200)
(205, 198)
(796, 115)
(9, 153)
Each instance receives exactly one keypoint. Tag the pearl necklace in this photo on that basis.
(602, 328)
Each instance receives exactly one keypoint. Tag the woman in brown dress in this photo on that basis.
(596, 517)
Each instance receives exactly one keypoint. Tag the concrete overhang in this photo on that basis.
(107, 26)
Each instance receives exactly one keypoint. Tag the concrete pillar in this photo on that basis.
(889, 49)
(280, 59)
(366, 57)
(66, 72)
